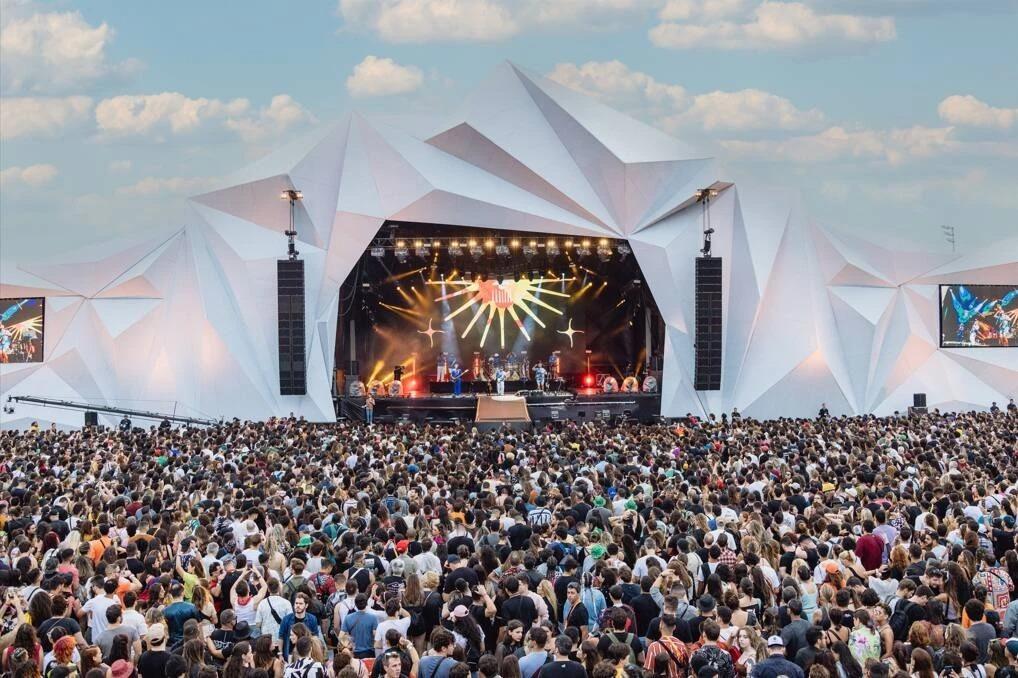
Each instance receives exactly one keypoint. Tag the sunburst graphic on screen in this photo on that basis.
(498, 298)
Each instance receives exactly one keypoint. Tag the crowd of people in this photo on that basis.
(858, 547)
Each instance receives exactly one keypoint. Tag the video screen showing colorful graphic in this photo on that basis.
(21, 330)
(978, 316)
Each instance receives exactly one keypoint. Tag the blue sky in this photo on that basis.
(893, 116)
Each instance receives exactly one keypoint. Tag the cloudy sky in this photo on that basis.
(894, 116)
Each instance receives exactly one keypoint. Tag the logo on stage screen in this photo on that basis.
(21, 327)
(498, 298)
(978, 316)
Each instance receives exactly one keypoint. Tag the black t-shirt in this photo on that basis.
(578, 616)
(152, 664)
(460, 573)
(561, 586)
(65, 623)
(521, 608)
(646, 609)
(462, 540)
(563, 669)
(224, 589)
(519, 535)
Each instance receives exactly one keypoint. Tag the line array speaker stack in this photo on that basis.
(290, 305)
(707, 368)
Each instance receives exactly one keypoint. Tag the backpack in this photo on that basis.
(292, 586)
(899, 620)
(625, 640)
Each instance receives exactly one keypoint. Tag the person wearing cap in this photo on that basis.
(775, 665)
(152, 663)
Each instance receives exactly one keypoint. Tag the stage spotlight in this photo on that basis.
(489, 243)
(420, 249)
(588, 380)
(475, 250)
(502, 250)
(455, 249)
(514, 243)
(604, 250)
(552, 248)
(530, 250)
(402, 252)
(583, 249)
(623, 249)
(378, 252)
(569, 244)
(435, 244)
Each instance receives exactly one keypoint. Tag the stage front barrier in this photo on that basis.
(496, 409)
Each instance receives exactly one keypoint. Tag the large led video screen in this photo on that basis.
(978, 316)
(21, 330)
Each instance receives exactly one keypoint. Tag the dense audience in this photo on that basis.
(829, 548)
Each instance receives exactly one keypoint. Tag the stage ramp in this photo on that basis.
(505, 409)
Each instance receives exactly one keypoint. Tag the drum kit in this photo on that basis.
(516, 366)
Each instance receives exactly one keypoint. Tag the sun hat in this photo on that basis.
(304, 541)
(599, 502)
(597, 551)
(460, 611)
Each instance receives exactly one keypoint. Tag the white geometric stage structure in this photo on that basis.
(186, 320)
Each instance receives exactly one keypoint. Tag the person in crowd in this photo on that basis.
(857, 546)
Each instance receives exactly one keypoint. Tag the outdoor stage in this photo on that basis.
(580, 406)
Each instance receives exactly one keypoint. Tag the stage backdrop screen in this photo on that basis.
(978, 316)
(21, 330)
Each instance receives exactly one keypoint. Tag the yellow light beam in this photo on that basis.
(501, 327)
(519, 323)
(526, 309)
(472, 321)
(487, 324)
(465, 306)
(531, 298)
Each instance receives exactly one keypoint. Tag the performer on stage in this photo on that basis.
(443, 366)
(500, 380)
(397, 373)
(457, 379)
(540, 375)
(553, 364)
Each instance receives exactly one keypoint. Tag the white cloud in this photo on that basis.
(748, 109)
(121, 166)
(732, 25)
(376, 76)
(156, 114)
(837, 143)
(673, 108)
(41, 116)
(52, 51)
(480, 20)
(32, 175)
(140, 114)
(966, 110)
(281, 114)
(152, 186)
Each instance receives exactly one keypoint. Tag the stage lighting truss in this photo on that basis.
(530, 250)
(455, 249)
(401, 251)
(551, 248)
(583, 248)
(378, 252)
(476, 251)
(604, 250)
(421, 249)
(502, 250)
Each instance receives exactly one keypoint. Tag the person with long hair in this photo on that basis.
(266, 656)
(588, 655)
(848, 665)
(92, 658)
(241, 661)
(751, 647)
(25, 639)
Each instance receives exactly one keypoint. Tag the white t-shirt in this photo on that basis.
(401, 625)
(136, 620)
(98, 606)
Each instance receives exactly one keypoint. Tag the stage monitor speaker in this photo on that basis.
(290, 312)
(707, 332)
(918, 400)
(91, 418)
